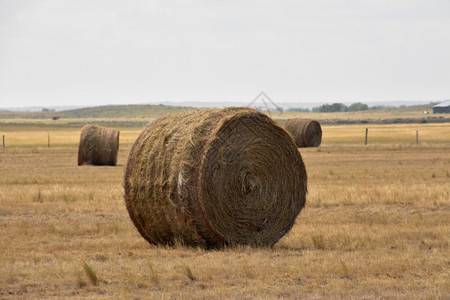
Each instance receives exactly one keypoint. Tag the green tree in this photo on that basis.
(358, 106)
(335, 107)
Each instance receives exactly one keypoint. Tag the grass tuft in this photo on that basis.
(40, 199)
(345, 271)
(188, 272)
(246, 269)
(178, 243)
(153, 274)
(90, 272)
(318, 241)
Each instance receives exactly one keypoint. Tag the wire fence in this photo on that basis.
(345, 134)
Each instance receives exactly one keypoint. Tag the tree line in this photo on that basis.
(335, 107)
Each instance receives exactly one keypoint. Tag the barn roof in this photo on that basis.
(443, 104)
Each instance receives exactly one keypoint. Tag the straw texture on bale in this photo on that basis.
(306, 132)
(98, 146)
(214, 177)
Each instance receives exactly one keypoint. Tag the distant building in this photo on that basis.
(442, 108)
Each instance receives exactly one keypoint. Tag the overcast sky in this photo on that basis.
(96, 52)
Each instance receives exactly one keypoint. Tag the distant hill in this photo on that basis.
(101, 112)
(138, 115)
(122, 111)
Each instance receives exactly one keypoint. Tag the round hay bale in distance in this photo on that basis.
(214, 177)
(306, 132)
(98, 146)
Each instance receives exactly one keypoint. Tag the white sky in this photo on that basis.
(95, 52)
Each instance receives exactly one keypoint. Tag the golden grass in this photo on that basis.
(373, 115)
(16, 136)
(438, 133)
(386, 134)
(376, 225)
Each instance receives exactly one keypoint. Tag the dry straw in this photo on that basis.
(98, 146)
(306, 132)
(214, 177)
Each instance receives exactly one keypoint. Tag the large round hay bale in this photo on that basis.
(306, 132)
(98, 146)
(214, 177)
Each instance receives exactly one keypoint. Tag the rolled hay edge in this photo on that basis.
(306, 132)
(98, 146)
(214, 177)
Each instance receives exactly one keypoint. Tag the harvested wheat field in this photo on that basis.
(375, 225)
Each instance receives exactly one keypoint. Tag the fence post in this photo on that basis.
(417, 137)
(367, 131)
(48, 140)
(3, 143)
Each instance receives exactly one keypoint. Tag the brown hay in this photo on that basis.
(214, 177)
(98, 146)
(306, 132)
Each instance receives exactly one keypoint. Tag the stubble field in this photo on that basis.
(376, 225)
